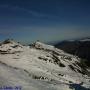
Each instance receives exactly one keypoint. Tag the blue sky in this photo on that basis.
(45, 20)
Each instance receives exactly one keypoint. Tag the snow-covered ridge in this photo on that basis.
(40, 67)
(40, 45)
(10, 46)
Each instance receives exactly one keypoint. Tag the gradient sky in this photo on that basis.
(45, 20)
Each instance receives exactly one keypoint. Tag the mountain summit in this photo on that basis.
(10, 46)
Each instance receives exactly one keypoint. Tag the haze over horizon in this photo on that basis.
(44, 20)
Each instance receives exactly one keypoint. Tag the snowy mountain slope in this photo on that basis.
(79, 47)
(40, 67)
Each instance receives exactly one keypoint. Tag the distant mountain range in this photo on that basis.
(80, 48)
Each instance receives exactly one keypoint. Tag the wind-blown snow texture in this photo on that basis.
(40, 67)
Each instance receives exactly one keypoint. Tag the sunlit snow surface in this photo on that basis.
(36, 67)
